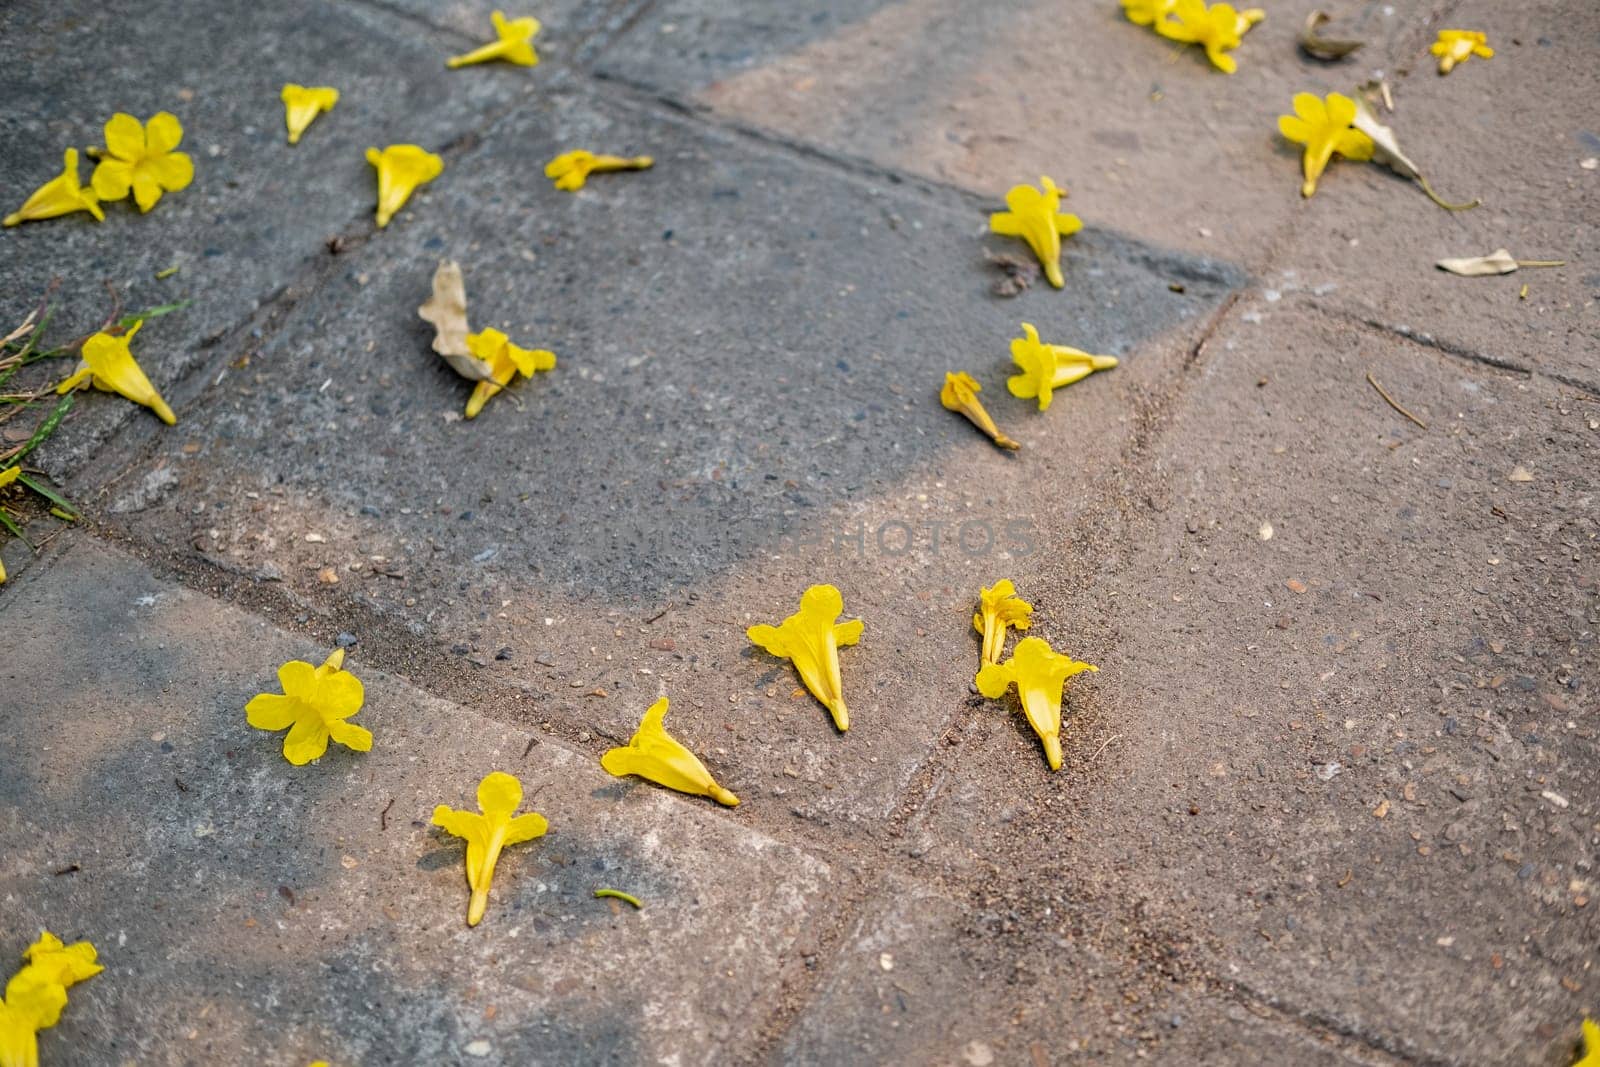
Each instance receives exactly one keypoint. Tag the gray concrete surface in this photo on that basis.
(1331, 797)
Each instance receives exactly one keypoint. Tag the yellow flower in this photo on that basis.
(7, 476)
(1324, 128)
(655, 754)
(1047, 367)
(505, 360)
(302, 105)
(960, 394)
(1034, 217)
(571, 169)
(1039, 674)
(1000, 607)
(1456, 46)
(401, 168)
(1591, 1045)
(314, 704)
(142, 158)
(1218, 29)
(1147, 12)
(61, 195)
(514, 44)
(65, 965)
(31, 1003)
(499, 796)
(109, 364)
(810, 639)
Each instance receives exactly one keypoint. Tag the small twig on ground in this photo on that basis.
(659, 614)
(531, 742)
(71, 868)
(1393, 402)
(383, 816)
(1103, 746)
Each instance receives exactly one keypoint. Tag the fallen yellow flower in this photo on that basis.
(1035, 217)
(1324, 128)
(302, 105)
(314, 704)
(655, 754)
(61, 195)
(1218, 29)
(1046, 367)
(1457, 46)
(1039, 673)
(1147, 12)
(810, 639)
(499, 796)
(401, 169)
(36, 995)
(960, 394)
(7, 476)
(66, 965)
(142, 158)
(514, 44)
(1591, 1045)
(571, 169)
(504, 360)
(1000, 607)
(109, 365)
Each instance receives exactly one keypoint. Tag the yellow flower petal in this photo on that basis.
(1039, 673)
(125, 137)
(1034, 216)
(1591, 1044)
(1457, 46)
(499, 796)
(810, 639)
(654, 754)
(514, 43)
(65, 965)
(61, 195)
(401, 169)
(505, 360)
(112, 368)
(314, 705)
(303, 105)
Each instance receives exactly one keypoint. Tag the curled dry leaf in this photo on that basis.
(446, 310)
(1499, 261)
(1386, 150)
(1325, 48)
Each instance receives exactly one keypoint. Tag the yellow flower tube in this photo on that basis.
(571, 169)
(1035, 217)
(960, 394)
(654, 754)
(109, 365)
(810, 639)
(513, 43)
(1045, 367)
(499, 797)
(61, 195)
(999, 607)
(1039, 673)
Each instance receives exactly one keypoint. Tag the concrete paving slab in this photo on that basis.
(259, 211)
(248, 911)
(1149, 138)
(1349, 744)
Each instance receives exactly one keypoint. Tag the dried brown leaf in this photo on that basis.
(1386, 150)
(446, 310)
(1498, 262)
(1329, 49)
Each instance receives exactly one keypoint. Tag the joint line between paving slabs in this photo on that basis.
(1318, 1022)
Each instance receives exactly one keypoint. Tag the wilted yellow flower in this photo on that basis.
(1146, 12)
(960, 394)
(1000, 607)
(1047, 367)
(302, 105)
(1039, 673)
(571, 169)
(61, 195)
(514, 44)
(401, 169)
(314, 705)
(1324, 128)
(810, 639)
(499, 797)
(655, 754)
(109, 364)
(1218, 29)
(36, 995)
(1457, 46)
(1034, 216)
(142, 158)
(505, 361)
(66, 965)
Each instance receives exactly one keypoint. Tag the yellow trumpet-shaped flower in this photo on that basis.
(1218, 29)
(1039, 673)
(401, 169)
(1324, 127)
(571, 169)
(505, 361)
(1457, 46)
(142, 158)
(514, 44)
(31, 1003)
(810, 639)
(499, 797)
(655, 754)
(109, 364)
(1035, 217)
(61, 195)
(960, 394)
(1046, 367)
(1147, 12)
(1000, 607)
(302, 105)
(1591, 1045)
(314, 705)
